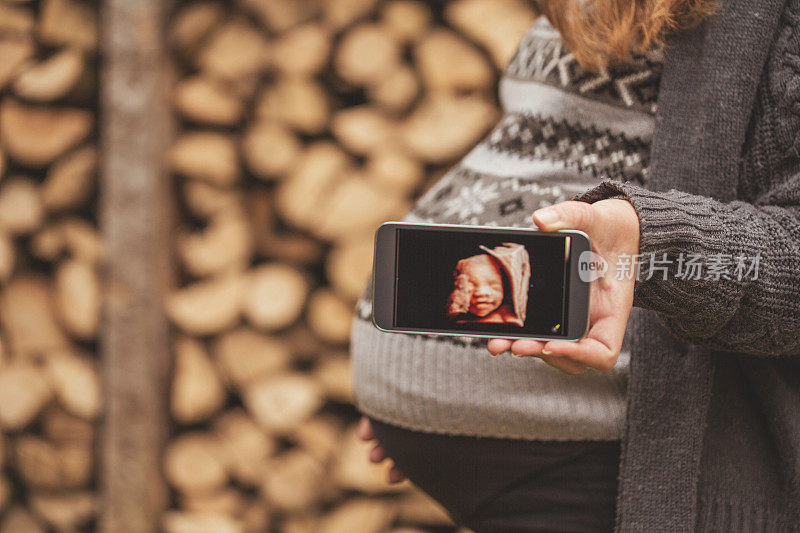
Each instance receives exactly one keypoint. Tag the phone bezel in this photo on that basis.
(384, 282)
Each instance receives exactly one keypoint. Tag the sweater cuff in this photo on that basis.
(670, 223)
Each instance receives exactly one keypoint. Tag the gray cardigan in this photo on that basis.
(712, 435)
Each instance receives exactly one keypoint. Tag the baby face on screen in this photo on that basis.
(484, 281)
(479, 292)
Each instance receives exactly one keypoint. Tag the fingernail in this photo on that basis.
(516, 354)
(546, 216)
(546, 351)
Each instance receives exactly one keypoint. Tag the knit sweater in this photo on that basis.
(563, 130)
(712, 432)
(711, 439)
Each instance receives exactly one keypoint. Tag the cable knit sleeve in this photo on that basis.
(756, 313)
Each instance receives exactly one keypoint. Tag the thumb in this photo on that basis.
(572, 214)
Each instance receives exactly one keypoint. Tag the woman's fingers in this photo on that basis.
(525, 347)
(395, 475)
(377, 454)
(565, 365)
(498, 346)
(364, 430)
(588, 351)
(521, 347)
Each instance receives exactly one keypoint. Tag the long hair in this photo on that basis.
(600, 33)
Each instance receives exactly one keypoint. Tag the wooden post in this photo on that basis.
(136, 221)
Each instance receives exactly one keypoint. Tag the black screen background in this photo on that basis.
(425, 263)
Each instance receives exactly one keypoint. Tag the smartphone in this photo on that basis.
(480, 281)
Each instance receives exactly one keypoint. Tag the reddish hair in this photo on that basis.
(602, 32)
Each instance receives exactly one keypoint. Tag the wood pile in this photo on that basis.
(303, 124)
(51, 256)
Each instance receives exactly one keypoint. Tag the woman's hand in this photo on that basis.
(377, 455)
(613, 227)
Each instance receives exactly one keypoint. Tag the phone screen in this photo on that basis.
(482, 282)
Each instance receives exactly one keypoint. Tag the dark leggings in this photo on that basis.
(496, 485)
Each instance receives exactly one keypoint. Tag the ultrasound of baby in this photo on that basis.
(491, 287)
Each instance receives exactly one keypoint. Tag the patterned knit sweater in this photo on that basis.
(562, 132)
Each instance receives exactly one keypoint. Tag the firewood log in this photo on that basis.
(447, 62)
(304, 522)
(5, 493)
(27, 316)
(397, 91)
(270, 149)
(8, 256)
(362, 129)
(225, 245)
(15, 51)
(77, 298)
(244, 445)
(48, 243)
(394, 170)
(244, 355)
(194, 463)
(205, 200)
(302, 51)
(227, 501)
(367, 54)
(207, 101)
(300, 103)
(336, 377)
(68, 22)
(45, 465)
(192, 24)
(319, 436)
(23, 394)
(207, 156)
(357, 204)
(274, 296)
(70, 180)
(208, 306)
(21, 206)
(293, 481)
(62, 427)
(82, 240)
(51, 78)
(338, 14)
(315, 175)
(329, 317)
(281, 403)
(200, 522)
(280, 15)
(408, 20)
(65, 511)
(197, 392)
(235, 50)
(497, 25)
(16, 20)
(35, 136)
(286, 246)
(349, 265)
(76, 383)
(255, 516)
(306, 348)
(19, 520)
(444, 126)
(365, 514)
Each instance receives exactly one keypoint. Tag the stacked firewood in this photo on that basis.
(302, 125)
(50, 258)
